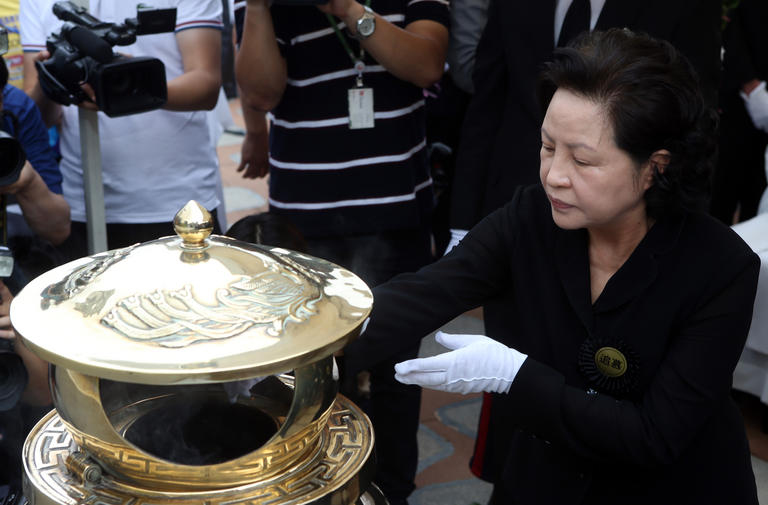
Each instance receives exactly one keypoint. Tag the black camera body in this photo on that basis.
(82, 53)
(13, 376)
(13, 159)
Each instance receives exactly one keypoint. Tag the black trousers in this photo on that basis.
(739, 178)
(119, 235)
(393, 407)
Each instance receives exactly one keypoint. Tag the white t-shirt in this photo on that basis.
(152, 163)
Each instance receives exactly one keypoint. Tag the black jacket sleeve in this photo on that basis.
(689, 387)
(412, 305)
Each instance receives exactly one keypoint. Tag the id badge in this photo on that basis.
(360, 108)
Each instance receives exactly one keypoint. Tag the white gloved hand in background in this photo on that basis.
(456, 237)
(757, 106)
(476, 363)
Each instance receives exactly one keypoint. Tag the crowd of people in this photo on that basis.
(570, 148)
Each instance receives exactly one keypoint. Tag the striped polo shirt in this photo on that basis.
(327, 178)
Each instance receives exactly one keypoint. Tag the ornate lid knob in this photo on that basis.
(194, 224)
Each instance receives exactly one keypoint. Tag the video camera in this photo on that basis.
(82, 53)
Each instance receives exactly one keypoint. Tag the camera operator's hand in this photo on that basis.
(89, 104)
(37, 391)
(50, 110)
(42, 55)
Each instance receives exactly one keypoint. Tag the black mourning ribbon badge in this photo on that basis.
(609, 365)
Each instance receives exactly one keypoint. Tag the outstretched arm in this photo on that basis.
(259, 66)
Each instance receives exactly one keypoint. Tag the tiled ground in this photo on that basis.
(448, 421)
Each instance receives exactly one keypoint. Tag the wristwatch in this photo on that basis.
(366, 25)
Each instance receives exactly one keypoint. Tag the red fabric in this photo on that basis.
(482, 434)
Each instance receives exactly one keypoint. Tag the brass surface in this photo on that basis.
(98, 422)
(168, 375)
(160, 313)
(194, 224)
(336, 475)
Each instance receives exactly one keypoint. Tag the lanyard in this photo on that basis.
(357, 63)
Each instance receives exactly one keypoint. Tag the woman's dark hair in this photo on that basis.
(268, 229)
(651, 95)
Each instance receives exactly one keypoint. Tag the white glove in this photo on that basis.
(757, 106)
(456, 237)
(476, 363)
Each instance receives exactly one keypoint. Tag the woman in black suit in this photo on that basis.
(628, 308)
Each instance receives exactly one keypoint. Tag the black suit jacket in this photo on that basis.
(500, 142)
(679, 309)
(739, 178)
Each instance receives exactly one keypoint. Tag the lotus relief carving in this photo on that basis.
(177, 318)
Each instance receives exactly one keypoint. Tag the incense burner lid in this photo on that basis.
(189, 309)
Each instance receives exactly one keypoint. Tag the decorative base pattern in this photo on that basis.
(336, 475)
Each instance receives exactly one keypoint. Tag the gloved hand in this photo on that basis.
(476, 363)
(456, 237)
(757, 106)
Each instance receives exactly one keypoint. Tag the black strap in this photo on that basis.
(576, 21)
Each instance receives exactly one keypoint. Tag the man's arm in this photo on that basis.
(261, 74)
(254, 154)
(415, 54)
(46, 213)
(198, 87)
(259, 66)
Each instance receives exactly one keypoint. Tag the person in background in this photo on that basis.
(627, 306)
(36, 196)
(152, 163)
(739, 179)
(348, 159)
(502, 119)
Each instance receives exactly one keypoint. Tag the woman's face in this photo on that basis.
(590, 182)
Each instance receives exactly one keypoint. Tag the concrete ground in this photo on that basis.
(448, 421)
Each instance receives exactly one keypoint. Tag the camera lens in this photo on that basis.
(12, 159)
(13, 376)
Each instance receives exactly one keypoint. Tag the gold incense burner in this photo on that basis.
(171, 377)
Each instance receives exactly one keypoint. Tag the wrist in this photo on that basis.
(354, 12)
(750, 86)
(255, 133)
(26, 184)
(257, 5)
